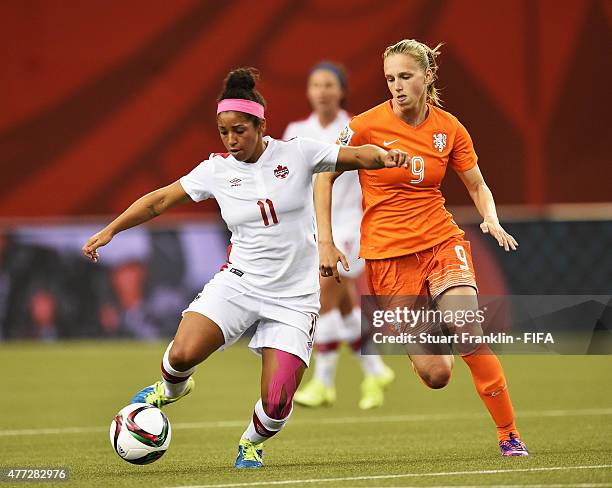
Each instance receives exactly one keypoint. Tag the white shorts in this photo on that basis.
(286, 323)
(346, 238)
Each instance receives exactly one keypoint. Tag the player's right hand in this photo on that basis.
(396, 158)
(329, 256)
(97, 240)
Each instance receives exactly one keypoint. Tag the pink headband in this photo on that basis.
(241, 105)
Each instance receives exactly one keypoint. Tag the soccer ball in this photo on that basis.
(140, 433)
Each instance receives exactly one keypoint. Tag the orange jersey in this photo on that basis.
(404, 209)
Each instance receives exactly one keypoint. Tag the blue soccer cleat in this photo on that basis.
(513, 446)
(249, 455)
(156, 395)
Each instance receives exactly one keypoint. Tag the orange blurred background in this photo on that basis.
(101, 102)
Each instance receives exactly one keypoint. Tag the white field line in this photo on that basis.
(407, 475)
(564, 485)
(321, 421)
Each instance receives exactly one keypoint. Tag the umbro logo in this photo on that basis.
(235, 182)
(388, 143)
(281, 171)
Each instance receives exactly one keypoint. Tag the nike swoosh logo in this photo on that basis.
(388, 143)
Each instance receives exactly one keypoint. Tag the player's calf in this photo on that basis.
(175, 385)
(182, 357)
(175, 371)
(270, 414)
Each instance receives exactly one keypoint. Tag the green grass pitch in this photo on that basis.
(58, 401)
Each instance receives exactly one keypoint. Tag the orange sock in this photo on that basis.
(490, 383)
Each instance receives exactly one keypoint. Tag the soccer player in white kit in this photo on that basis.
(340, 319)
(264, 190)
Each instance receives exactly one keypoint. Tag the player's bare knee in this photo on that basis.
(437, 378)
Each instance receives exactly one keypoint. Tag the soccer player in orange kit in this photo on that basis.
(411, 243)
(340, 315)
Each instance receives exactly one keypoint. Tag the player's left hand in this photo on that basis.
(504, 239)
(396, 158)
(97, 240)
(329, 256)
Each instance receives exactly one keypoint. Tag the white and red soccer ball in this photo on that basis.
(140, 433)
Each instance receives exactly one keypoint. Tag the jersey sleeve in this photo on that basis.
(462, 157)
(320, 156)
(353, 134)
(198, 183)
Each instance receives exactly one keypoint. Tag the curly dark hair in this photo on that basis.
(240, 83)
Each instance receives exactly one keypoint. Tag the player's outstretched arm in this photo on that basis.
(329, 255)
(144, 209)
(483, 199)
(370, 156)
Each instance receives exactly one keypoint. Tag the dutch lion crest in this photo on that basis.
(439, 140)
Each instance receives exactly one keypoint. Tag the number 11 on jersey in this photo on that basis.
(264, 214)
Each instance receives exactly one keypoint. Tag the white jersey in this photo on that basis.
(346, 195)
(268, 208)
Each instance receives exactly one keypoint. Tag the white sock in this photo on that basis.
(325, 367)
(371, 364)
(352, 325)
(263, 427)
(327, 337)
(171, 377)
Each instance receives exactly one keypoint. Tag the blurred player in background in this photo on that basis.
(340, 319)
(264, 190)
(411, 243)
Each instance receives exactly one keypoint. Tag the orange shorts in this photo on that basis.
(429, 272)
